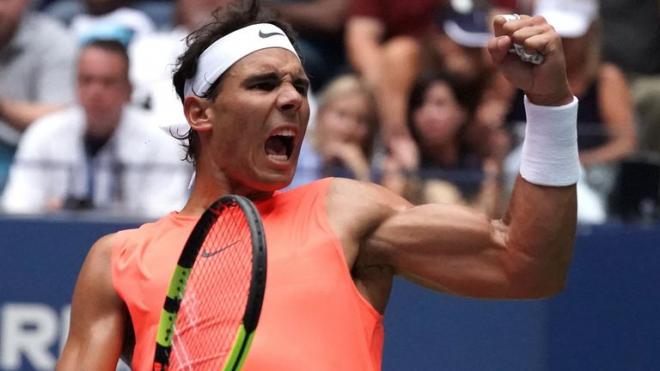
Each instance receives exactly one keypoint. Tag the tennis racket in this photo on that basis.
(215, 295)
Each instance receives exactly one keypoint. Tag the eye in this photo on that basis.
(264, 85)
(302, 87)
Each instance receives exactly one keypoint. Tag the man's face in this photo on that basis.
(10, 16)
(259, 119)
(103, 88)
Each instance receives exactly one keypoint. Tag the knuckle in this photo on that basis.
(539, 19)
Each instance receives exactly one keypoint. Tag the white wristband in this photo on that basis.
(550, 151)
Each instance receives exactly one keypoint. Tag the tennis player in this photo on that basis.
(335, 244)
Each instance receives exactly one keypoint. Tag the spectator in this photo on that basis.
(632, 41)
(36, 63)
(384, 45)
(159, 12)
(462, 53)
(110, 16)
(99, 154)
(320, 26)
(343, 135)
(451, 171)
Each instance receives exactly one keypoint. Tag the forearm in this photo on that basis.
(542, 213)
(541, 223)
(400, 62)
(366, 60)
(358, 165)
(21, 114)
(614, 151)
(363, 46)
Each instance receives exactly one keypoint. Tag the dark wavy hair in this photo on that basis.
(225, 20)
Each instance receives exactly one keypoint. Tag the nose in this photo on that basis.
(290, 99)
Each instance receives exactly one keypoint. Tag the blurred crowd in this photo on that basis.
(403, 94)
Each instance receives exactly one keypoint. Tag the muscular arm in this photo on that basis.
(458, 250)
(98, 316)
(617, 112)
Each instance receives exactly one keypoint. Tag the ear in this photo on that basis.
(198, 113)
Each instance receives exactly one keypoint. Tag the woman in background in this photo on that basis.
(451, 171)
(342, 139)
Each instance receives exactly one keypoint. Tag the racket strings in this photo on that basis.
(216, 295)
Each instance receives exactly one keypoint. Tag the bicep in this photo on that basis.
(98, 316)
(461, 251)
(456, 249)
(446, 247)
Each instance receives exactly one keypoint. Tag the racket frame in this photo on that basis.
(176, 289)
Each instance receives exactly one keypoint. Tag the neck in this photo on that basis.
(209, 186)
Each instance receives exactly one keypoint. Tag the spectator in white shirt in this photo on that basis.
(101, 153)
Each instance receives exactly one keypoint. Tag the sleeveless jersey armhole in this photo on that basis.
(325, 224)
(117, 252)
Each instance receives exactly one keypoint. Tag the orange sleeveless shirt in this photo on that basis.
(313, 317)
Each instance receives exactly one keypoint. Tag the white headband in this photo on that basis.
(227, 50)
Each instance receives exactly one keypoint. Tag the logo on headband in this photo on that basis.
(264, 35)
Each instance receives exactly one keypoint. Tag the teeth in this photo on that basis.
(284, 133)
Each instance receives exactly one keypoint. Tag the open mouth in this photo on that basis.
(279, 146)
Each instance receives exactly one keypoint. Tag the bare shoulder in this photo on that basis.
(357, 208)
(100, 254)
(95, 276)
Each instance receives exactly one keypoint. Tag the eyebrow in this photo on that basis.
(272, 76)
(260, 77)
